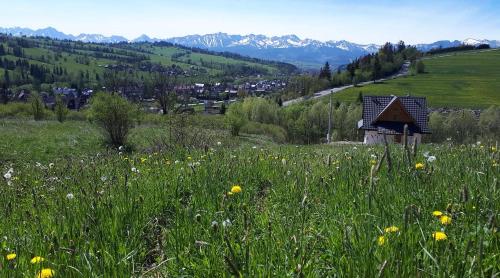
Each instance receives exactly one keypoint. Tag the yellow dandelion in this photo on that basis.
(235, 189)
(419, 166)
(37, 259)
(11, 256)
(445, 220)
(439, 236)
(381, 240)
(45, 273)
(373, 162)
(391, 229)
(437, 213)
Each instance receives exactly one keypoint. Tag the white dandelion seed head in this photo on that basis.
(219, 143)
(227, 223)
(104, 178)
(288, 173)
(121, 148)
(7, 176)
(431, 159)
(70, 196)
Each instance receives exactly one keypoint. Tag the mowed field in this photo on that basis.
(463, 80)
(240, 208)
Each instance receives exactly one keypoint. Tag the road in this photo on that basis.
(402, 72)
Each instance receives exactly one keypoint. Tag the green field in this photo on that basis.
(464, 80)
(303, 211)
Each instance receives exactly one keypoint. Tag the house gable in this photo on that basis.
(394, 112)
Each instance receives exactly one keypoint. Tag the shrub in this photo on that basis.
(236, 118)
(37, 107)
(60, 109)
(114, 114)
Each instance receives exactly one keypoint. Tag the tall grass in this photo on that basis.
(311, 211)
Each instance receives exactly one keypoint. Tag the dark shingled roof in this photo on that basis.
(374, 105)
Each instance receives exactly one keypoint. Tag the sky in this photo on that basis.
(360, 21)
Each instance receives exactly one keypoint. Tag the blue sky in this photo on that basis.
(362, 21)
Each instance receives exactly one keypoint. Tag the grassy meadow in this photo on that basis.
(241, 207)
(458, 80)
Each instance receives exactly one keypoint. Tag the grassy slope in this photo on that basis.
(296, 213)
(466, 79)
(161, 55)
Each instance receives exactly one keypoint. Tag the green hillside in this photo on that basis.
(41, 61)
(463, 79)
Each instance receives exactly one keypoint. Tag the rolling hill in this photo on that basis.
(29, 60)
(456, 80)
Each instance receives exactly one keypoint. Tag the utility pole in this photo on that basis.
(329, 135)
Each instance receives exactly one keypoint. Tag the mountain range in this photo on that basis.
(306, 53)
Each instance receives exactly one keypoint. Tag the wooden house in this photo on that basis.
(389, 114)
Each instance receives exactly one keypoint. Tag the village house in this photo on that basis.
(389, 114)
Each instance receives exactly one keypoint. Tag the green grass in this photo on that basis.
(308, 211)
(459, 80)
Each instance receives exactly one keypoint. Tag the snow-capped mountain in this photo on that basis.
(288, 48)
(55, 34)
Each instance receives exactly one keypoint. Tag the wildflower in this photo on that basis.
(236, 189)
(431, 159)
(381, 240)
(373, 162)
(227, 223)
(37, 260)
(391, 229)
(219, 143)
(46, 273)
(11, 256)
(7, 176)
(419, 166)
(143, 159)
(134, 170)
(439, 236)
(493, 149)
(437, 213)
(70, 196)
(445, 220)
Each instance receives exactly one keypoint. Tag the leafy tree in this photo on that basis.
(114, 114)
(164, 92)
(377, 68)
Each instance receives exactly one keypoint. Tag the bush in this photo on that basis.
(114, 114)
(60, 109)
(15, 109)
(236, 118)
(37, 106)
(277, 133)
